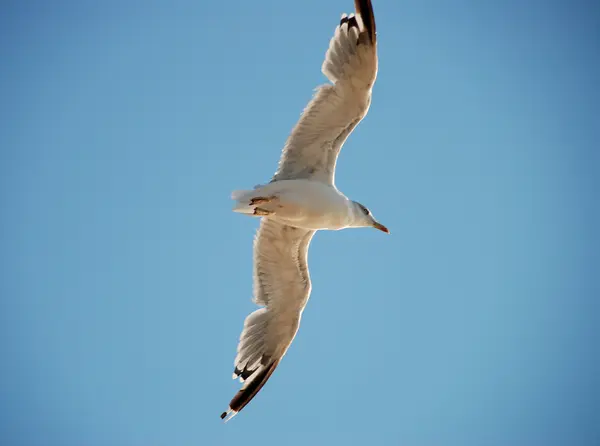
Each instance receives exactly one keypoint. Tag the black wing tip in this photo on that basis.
(245, 374)
(365, 9)
(228, 415)
(350, 20)
(246, 394)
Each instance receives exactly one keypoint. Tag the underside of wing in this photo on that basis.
(351, 65)
(282, 286)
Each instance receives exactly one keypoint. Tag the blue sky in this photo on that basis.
(125, 277)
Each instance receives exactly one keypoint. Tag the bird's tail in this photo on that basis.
(239, 194)
(242, 200)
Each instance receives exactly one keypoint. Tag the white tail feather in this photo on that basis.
(239, 194)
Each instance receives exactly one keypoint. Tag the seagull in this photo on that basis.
(300, 199)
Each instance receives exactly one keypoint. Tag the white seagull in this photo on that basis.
(301, 199)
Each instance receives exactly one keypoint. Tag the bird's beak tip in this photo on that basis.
(382, 228)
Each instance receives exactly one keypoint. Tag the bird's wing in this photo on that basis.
(282, 286)
(312, 149)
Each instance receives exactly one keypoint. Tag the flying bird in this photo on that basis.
(300, 199)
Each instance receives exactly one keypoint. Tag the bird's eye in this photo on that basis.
(365, 210)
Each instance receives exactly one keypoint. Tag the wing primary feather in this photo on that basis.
(350, 20)
(249, 391)
(365, 9)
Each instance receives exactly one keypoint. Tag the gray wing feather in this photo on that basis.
(312, 148)
(282, 285)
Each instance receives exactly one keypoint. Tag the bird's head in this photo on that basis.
(364, 218)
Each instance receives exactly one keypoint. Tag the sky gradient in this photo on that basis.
(125, 277)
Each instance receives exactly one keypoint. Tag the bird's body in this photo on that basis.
(302, 198)
(305, 204)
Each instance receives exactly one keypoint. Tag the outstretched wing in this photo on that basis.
(312, 149)
(282, 286)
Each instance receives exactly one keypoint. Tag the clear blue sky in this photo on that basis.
(125, 277)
